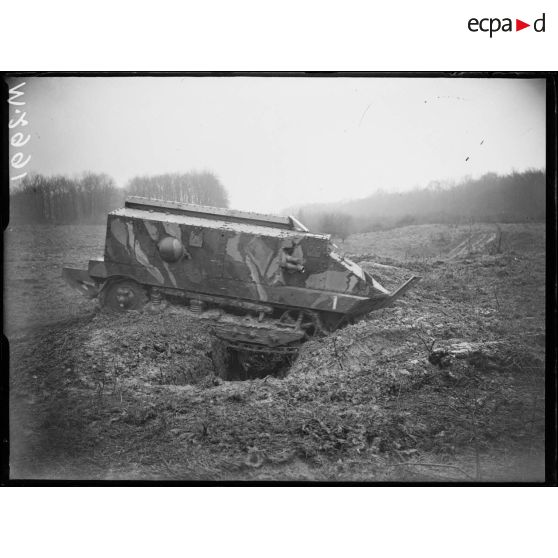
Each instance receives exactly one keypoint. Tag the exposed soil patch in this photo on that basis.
(446, 385)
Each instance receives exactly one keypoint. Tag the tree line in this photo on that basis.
(201, 188)
(88, 198)
(514, 197)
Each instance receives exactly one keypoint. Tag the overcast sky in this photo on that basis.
(279, 142)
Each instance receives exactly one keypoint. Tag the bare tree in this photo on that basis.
(336, 224)
(202, 188)
(59, 199)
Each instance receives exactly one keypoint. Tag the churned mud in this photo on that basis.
(446, 385)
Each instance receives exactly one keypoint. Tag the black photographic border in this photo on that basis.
(551, 457)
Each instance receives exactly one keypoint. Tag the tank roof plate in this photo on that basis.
(213, 222)
(232, 215)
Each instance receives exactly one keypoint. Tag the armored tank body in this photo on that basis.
(264, 283)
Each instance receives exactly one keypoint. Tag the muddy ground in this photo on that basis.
(447, 385)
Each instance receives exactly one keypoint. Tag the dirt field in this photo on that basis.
(447, 385)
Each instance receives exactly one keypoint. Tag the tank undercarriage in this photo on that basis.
(250, 340)
(264, 284)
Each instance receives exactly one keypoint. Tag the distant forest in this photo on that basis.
(87, 199)
(515, 197)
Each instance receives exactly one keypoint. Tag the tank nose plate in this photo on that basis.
(382, 300)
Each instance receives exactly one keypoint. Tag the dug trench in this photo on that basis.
(446, 385)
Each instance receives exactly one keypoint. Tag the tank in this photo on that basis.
(264, 283)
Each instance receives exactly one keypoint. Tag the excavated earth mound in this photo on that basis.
(447, 385)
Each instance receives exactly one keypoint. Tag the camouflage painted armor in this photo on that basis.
(229, 254)
(265, 282)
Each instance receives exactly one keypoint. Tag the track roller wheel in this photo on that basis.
(122, 295)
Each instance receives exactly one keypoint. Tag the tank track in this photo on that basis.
(285, 350)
